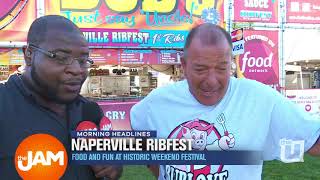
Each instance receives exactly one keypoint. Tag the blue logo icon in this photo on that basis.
(210, 15)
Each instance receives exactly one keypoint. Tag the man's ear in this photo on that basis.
(27, 55)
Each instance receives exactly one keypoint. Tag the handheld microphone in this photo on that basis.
(105, 124)
(86, 126)
(91, 112)
(93, 115)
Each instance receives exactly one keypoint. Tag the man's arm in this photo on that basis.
(315, 149)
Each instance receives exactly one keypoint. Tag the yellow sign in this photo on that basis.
(138, 14)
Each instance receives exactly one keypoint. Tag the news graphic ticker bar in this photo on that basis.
(110, 134)
(167, 157)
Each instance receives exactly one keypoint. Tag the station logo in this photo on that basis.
(41, 156)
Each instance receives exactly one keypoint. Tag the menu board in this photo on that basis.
(169, 57)
(127, 56)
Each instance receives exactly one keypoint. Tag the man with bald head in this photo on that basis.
(45, 98)
(219, 112)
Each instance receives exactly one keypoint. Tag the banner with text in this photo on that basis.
(105, 38)
(260, 59)
(136, 22)
(118, 113)
(303, 11)
(307, 99)
(256, 11)
(16, 17)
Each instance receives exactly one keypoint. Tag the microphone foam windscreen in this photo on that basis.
(92, 112)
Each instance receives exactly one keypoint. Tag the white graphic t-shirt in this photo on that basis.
(251, 116)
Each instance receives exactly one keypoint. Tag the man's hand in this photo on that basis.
(108, 171)
(315, 149)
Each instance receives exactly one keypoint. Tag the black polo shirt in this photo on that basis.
(21, 116)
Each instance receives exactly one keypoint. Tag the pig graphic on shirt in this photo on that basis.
(202, 137)
(205, 136)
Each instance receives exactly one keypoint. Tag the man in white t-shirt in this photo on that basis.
(222, 113)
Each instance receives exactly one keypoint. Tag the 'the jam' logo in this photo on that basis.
(41, 156)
